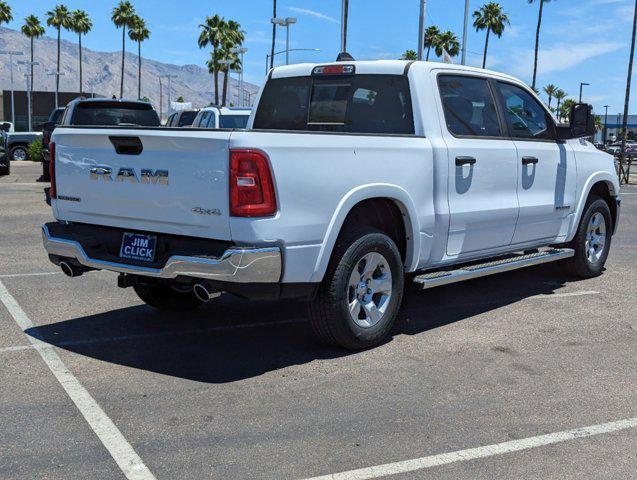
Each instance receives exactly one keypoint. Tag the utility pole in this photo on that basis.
(160, 100)
(28, 78)
(344, 12)
(169, 77)
(605, 122)
(11, 53)
(421, 28)
(57, 76)
(464, 32)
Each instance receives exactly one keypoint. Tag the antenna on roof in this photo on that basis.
(344, 57)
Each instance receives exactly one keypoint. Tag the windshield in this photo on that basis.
(114, 114)
(351, 103)
(187, 118)
(233, 121)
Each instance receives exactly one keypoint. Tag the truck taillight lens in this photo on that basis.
(251, 186)
(52, 192)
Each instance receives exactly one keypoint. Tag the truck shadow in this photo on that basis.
(232, 339)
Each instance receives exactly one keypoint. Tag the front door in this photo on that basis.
(483, 167)
(547, 180)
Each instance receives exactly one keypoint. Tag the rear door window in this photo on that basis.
(375, 104)
(114, 114)
(469, 106)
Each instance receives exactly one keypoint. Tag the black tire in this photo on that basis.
(16, 149)
(5, 169)
(580, 265)
(167, 297)
(330, 317)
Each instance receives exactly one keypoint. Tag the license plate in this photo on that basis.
(138, 247)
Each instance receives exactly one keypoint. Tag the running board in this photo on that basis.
(476, 270)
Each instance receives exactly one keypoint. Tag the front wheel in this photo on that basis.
(168, 297)
(19, 153)
(592, 240)
(359, 298)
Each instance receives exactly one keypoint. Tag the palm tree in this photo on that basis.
(559, 96)
(491, 18)
(5, 13)
(431, 35)
(550, 91)
(447, 42)
(233, 37)
(58, 18)
(122, 16)
(537, 36)
(212, 31)
(32, 29)
(566, 107)
(273, 34)
(138, 32)
(409, 55)
(80, 24)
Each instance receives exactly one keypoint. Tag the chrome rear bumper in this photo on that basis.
(238, 264)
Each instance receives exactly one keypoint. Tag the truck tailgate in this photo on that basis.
(177, 184)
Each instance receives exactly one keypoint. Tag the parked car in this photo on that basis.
(47, 129)
(351, 179)
(19, 144)
(222, 117)
(183, 118)
(5, 161)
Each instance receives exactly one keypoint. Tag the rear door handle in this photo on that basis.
(463, 160)
(529, 160)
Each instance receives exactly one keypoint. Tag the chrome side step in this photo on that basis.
(497, 265)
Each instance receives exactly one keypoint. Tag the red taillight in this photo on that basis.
(52, 192)
(251, 185)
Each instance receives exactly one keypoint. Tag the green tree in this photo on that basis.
(431, 37)
(81, 24)
(550, 91)
(122, 16)
(409, 55)
(5, 13)
(138, 32)
(565, 109)
(537, 36)
(559, 95)
(58, 18)
(447, 42)
(32, 29)
(490, 17)
(212, 33)
(180, 99)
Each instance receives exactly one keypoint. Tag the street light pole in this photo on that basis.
(169, 77)
(240, 51)
(344, 7)
(28, 77)
(605, 122)
(11, 53)
(285, 22)
(464, 32)
(57, 76)
(421, 28)
(580, 90)
(267, 57)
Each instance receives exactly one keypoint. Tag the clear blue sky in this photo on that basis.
(585, 40)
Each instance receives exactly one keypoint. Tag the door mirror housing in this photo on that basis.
(581, 122)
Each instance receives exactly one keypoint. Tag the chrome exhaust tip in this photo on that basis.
(69, 270)
(203, 292)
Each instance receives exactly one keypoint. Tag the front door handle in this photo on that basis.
(529, 160)
(463, 160)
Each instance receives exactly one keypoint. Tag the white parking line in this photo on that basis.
(122, 452)
(479, 452)
(18, 275)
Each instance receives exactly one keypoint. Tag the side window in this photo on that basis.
(469, 106)
(526, 117)
(203, 118)
(212, 120)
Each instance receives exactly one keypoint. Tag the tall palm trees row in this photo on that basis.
(78, 22)
(224, 36)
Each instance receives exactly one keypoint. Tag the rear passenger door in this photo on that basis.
(547, 180)
(483, 167)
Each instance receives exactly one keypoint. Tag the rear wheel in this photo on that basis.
(19, 153)
(168, 297)
(359, 298)
(592, 240)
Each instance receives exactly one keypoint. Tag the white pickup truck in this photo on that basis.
(351, 178)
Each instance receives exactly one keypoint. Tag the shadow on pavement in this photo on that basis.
(210, 346)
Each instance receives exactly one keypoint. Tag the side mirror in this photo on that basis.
(581, 122)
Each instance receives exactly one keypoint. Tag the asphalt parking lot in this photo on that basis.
(94, 384)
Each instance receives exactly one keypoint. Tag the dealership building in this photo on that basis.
(41, 107)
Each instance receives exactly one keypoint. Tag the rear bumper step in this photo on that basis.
(237, 264)
(476, 270)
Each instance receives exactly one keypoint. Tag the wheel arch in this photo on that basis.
(602, 184)
(359, 196)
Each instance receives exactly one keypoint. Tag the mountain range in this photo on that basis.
(101, 72)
